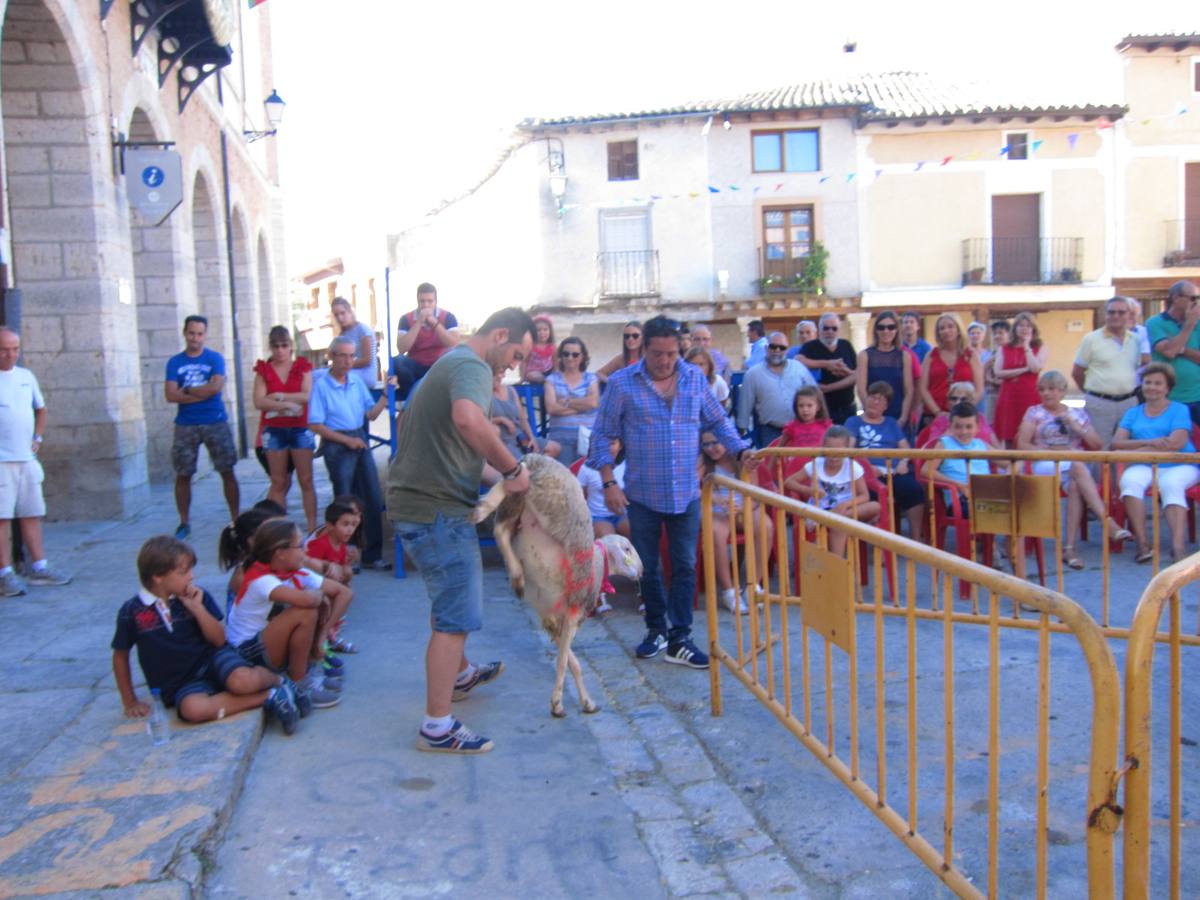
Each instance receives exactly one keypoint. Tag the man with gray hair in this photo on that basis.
(702, 335)
(1106, 369)
(1176, 341)
(22, 425)
(832, 359)
(769, 391)
(336, 409)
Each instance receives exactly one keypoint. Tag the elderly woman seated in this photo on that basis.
(1158, 425)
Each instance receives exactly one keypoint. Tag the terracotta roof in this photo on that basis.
(886, 96)
(1174, 40)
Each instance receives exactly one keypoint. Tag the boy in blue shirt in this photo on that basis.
(964, 426)
(176, 627)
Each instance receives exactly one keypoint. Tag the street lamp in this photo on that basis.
(274, 106)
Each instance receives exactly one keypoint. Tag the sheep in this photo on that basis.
(545, 537)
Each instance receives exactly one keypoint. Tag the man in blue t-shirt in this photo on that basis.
(195, 378)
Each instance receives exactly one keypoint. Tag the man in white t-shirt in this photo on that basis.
(22, 424)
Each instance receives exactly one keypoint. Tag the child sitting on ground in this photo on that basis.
(331, 544)
(836, 484)
(180, 640)
(295, 637)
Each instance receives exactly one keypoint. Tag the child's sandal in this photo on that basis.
(1072, 561)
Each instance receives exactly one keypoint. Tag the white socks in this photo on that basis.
(466, 675)
(436, 726)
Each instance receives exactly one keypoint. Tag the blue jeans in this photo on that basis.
(446, 553)
(683, 530)
(353, 472)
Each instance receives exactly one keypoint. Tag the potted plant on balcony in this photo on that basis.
(974, 276)
(1069, 276)
(816, 267)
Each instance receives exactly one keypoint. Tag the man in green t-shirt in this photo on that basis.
(1175, 339)
(432, 487)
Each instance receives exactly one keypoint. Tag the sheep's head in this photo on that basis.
(623, 560)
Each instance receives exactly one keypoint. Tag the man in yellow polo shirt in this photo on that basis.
(1106, 368)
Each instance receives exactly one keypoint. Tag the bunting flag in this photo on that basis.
(850, 177)
(824, 178)
(254, 3)
(734, 187)
(1180, 108)
(946, 160)
(778, 186)
(1072, 139)
(756, 189)
(1103, 123)
(919, 166)
(1037, 145)
(713, 190)
(1004, 150)
(878, 172)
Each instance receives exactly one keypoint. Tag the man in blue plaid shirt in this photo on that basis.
(657, 408)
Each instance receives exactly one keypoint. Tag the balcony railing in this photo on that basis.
(1031, 260)
(628, 273)
(1183, 242)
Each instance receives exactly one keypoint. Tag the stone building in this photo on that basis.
(98, 293)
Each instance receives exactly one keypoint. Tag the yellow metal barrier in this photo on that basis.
(828, 606)
(1163, 593)
(778, 457)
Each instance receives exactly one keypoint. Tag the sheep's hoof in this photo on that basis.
(590, 707)
(558, 710)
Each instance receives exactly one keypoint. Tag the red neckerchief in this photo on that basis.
(606, 586)
(258, 570)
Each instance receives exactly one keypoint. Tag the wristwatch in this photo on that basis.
(514, 471)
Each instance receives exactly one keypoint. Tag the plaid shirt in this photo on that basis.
(661, 439)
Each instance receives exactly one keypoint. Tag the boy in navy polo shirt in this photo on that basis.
(176, 627)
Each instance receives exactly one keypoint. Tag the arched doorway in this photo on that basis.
(69, 262)
(212, 285)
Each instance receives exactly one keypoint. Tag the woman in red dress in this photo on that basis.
(282, 385)
(949, 361)
(1016, 367)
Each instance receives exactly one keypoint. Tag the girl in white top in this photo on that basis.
(837, 485)
(727, 504)
(603, 520)
(311, 603)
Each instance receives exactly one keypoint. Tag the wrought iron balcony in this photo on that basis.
(628, 273)
(1183, 242)
(1031, 260)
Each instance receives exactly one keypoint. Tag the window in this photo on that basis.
(786, 151)
(786, 240)
(1017, 143)
(622, 161)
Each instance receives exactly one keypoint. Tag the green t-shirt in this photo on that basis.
(435, 470)
(1187, 373)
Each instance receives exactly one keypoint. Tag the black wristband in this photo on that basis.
(513, 472)
(610, 483)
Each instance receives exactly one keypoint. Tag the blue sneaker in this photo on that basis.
(459, 739)
(333, 665)
(483, 674)
(654, 643)
(183, 532)
(685, 653)
(281, 704)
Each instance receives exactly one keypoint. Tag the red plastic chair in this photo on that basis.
(947, 513)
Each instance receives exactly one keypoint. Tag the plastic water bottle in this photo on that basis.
(157, 726)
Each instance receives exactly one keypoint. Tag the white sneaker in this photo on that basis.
(733, 602)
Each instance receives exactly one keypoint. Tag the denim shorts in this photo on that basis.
(210, 676)
(289, 439)
(254, 652)
(614, 521)
(446, 553)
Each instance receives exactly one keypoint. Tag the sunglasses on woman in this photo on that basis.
(631, 337)
(571, 353)
(885, 327)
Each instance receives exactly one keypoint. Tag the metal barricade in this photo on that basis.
(1163, 594)
(823, 614)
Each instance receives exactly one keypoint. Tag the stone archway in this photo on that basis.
(70, 262)
(250, 334)
(269, 316)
